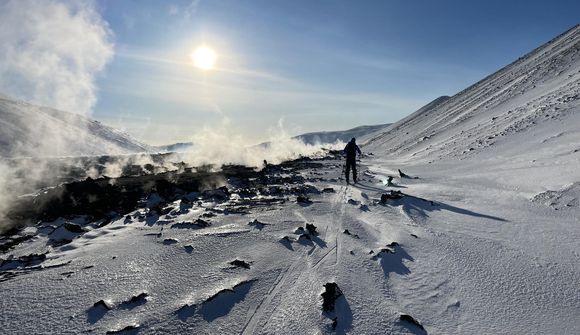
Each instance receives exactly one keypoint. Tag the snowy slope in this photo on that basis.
(501, 161)
(538, 90)
(29, 130)
(481, 241)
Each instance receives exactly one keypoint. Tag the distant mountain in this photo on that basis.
(27, 130)
(320, 137)
(326, 137)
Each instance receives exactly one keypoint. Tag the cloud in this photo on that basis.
(51, 52)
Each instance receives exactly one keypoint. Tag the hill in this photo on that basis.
(28, 130)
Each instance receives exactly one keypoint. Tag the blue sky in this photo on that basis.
(312, 65)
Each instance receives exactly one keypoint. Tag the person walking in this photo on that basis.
(350, 150)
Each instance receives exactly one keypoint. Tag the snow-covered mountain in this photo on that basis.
(33, 131)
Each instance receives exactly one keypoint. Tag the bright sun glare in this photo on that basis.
(204, 58)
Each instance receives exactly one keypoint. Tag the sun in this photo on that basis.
(204, 58)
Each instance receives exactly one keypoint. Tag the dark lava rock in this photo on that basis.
(169, 241)
(219, 194)
(393, 244)
(247, 193)
(138, 299)
(386, 251)
(23, 261)
(311, 229)
(353, 202)
(208, 215)
(410, 319)
(299, 231)
(392, 195)
(257, 224)
(346, 232)
(73, 227)
(301, 199)
(188, 249)
(59, 243)
(197, 224)
(329, 296)
(415, 236)
(13, 241)
(329, 190)
(240, 264)
(149, 167)
(202, 223)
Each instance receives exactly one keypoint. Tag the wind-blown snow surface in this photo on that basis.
(31, 131)
(487, 234)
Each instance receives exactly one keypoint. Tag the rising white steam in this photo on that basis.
(51, 51)
(224, 145)
(50, 54)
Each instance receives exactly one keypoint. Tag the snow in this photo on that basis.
(486, 233)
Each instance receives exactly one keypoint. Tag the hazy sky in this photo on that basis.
(312, 65)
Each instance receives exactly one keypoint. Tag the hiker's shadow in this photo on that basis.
(418, 208)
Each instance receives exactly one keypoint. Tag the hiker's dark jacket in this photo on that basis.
(350, 150)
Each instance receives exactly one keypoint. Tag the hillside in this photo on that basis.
(539, 92)
(33, 131)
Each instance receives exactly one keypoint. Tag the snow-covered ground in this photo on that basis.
(486, 231)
